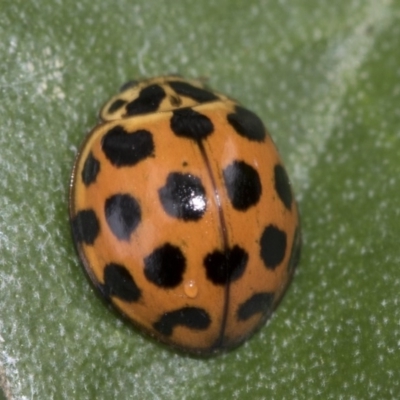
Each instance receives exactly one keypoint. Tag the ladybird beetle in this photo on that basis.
(182, 214)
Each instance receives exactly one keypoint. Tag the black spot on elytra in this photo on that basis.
(165, 266)
(127, 149)
(295, 252)
(90, 170)
(188, 123)
(85, 226)
(247, 124)
(149, 100)
(258, 303)
(118, 282)
(282, 186)
(222, 267)
(190, 317)
(272, 246)
(242, 184)
(183, 196)
(123, 215)
(198, 94)
(116, 105)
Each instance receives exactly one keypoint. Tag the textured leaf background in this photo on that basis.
(325, 78)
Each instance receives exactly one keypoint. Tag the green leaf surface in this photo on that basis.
(325, 78)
